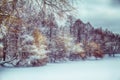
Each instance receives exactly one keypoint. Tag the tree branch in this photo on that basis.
(3, 62)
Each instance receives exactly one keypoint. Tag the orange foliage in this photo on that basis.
(16, 21)
(38, 38)
(94, 45)
(98, 54)
(96, 50)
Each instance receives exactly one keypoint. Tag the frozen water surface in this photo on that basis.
(91, 69)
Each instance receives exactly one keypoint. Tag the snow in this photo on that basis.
(77, 48)
(3, 30)
(1, 45)
(91, 69)
(1, 36)
(27, 37)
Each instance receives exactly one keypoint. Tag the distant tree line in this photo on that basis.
(108, 41)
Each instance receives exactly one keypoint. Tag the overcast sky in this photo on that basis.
(100, 13)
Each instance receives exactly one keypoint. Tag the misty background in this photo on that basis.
(100, 13)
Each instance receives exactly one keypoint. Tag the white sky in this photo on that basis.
(100, 13)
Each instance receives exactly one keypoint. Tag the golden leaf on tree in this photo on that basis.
(39, 39)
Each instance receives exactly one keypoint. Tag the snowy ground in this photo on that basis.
(105, 69)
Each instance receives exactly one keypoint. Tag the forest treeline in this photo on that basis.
(31, 39)
(31, 46)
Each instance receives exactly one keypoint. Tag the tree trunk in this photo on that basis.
(78, 35)
(4, 48)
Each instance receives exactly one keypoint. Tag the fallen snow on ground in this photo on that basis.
(102, 69)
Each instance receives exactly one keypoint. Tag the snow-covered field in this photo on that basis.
(103, 69)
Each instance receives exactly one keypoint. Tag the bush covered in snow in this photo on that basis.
(33, 50)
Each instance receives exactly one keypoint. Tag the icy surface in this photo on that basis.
(91, 69)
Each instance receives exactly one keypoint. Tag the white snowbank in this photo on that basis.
(1, 45)
(103, 69)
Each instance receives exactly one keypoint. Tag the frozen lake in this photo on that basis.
(103, 69)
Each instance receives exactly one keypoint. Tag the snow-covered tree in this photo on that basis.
(32, 49)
